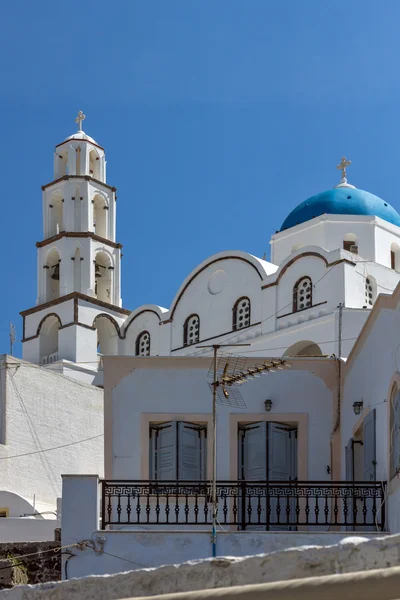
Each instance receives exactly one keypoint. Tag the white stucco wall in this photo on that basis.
(42, 410)
(368, 377)
(179, 388)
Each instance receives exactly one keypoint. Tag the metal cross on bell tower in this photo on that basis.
(342, 166)
(81, 117)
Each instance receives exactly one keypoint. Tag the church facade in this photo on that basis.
(334, 254)
(311, 448)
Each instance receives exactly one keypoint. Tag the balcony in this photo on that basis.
(50, 358)
(245, 506)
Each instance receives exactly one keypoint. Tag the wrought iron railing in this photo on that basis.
(267, 505)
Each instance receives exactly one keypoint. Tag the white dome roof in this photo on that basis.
(81, 135)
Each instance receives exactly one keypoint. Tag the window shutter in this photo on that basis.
(349, 451)
(165, 460)
(255, 452)
(190, 451)
(281, 453)
(395, 436)
(369, 429)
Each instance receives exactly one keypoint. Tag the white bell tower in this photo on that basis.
(78, 309)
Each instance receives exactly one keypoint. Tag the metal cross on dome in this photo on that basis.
(344, 163)
(81, 117)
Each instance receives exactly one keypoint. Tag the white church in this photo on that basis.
(310, 452)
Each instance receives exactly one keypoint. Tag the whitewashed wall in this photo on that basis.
(180, 387)
(40, 410)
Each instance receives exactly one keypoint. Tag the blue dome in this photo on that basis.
(342, 201)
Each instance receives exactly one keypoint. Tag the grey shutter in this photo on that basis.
(395, 437)
(255, 452)
(166, 451)
(281, 453)
(369, 430)
(349, 451)
(189, 456)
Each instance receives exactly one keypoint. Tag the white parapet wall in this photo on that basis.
(349, 556)
(112, 551)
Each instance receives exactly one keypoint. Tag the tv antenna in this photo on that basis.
(228, 372)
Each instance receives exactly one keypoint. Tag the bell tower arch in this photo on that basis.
(78, 259)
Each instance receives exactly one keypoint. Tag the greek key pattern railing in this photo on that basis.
(245, 505)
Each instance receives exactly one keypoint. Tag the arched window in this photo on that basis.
(395, 257)
(302, 294)
(241, 313)
(53, 270)
(191, 330)
(103, 277)
(48, 339)
(370, 291)
(94, 168)
(100, 216)
(107, 335)
(143, 344)
(350, 243)
(56, 216)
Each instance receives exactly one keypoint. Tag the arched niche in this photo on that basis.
(103, 271)
(94, 164)
(77, 270)
(48, 339)
(350, 243)
(107, 334)
(395, 257)
(53, 274)
(56, 208)
(100, 216)
(304, 348)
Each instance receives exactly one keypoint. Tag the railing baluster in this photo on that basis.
(245, 504)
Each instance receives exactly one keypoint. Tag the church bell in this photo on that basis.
(97, 272)
(56, 272)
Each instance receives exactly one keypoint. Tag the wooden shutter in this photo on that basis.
(349, 451)
(165, 451)
(190, 451)
(369, 431)
(395, 436)
(281, 453)
(254, 458)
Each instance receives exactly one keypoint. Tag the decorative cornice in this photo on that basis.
(304, 255)
(78, 296)
(85, 177)
(77, 234)
(79, 140)
(221, 258)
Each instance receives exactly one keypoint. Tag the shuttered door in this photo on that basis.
(349, 461)
(395, 441)
(369, 434)
(165, 454)
(282, 466)
(189, 457)
(253, 454)
(352, 502)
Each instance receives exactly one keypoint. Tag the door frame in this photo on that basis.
(298, 420)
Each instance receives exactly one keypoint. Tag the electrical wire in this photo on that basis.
(31, 555)
(54, 448)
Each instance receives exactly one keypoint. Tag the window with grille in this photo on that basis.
(191, 330)
(302, 294)
(143, 344)
(178, 450)
(241, 313)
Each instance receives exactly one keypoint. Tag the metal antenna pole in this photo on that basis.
(214, 458)
(214, 444)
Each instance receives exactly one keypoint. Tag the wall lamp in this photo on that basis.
(268, 405)
(357, 407)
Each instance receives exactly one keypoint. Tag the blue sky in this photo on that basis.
(217, 116)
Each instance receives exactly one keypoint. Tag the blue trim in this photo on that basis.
(342, 201)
